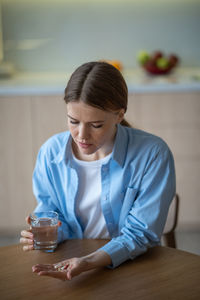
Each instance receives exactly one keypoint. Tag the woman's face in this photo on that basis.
(92, 129)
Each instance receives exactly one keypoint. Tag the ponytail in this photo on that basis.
(125, 123)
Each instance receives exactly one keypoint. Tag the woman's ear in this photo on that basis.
(120, 115)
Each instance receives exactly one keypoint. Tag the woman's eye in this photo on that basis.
(93, 125)
(97, 126)
(73, 122)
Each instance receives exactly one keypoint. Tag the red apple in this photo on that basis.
(173, 60)
(157, 54)
(151, 66)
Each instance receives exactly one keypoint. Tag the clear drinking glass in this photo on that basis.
(45, 230)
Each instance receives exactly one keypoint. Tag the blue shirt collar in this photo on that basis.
(120, 146)
(65, 150)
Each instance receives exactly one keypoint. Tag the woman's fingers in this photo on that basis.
(27, 234)
(69, 275)
(59, 223)
(40, 267)
(54, 274)
(28, 220)
(27, 240)
(28, 247)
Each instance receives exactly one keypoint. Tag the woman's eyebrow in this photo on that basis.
(71, 117)
(100, 121)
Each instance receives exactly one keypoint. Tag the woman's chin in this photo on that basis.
(87, 150)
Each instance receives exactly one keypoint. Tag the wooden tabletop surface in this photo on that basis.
(161, 273)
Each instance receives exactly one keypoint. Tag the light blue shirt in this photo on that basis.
(138, 184)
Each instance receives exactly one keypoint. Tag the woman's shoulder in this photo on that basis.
(140, 139)
(58, 138)
(55, 144)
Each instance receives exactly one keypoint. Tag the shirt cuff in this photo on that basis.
(117, 252)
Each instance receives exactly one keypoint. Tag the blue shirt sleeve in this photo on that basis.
(145, 221)
(44, 192)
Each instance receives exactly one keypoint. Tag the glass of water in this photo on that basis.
(45, 230)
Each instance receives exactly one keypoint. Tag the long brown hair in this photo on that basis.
(98, 84)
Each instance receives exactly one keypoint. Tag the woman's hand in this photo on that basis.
(27, 237)
(63, 270)
(67, 269)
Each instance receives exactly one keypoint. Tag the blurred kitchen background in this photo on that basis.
(43, 41)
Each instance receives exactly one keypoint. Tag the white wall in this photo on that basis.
(47, 35)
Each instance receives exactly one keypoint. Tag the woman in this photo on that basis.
(104, 178)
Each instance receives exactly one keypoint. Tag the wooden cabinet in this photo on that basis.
(26, 122)
(16, 161)
(48, 117)
(175, 118)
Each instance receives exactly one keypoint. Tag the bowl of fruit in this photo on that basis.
(157, 63)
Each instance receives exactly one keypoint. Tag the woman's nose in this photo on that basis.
(83, 132)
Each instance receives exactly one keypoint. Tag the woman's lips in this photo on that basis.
(84, 145)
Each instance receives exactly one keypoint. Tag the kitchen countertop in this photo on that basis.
(182, 79)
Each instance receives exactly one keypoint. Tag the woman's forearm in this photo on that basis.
(97, 259)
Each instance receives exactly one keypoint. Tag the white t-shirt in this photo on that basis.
(88, 204)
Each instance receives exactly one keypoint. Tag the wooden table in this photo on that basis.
(162, 273)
